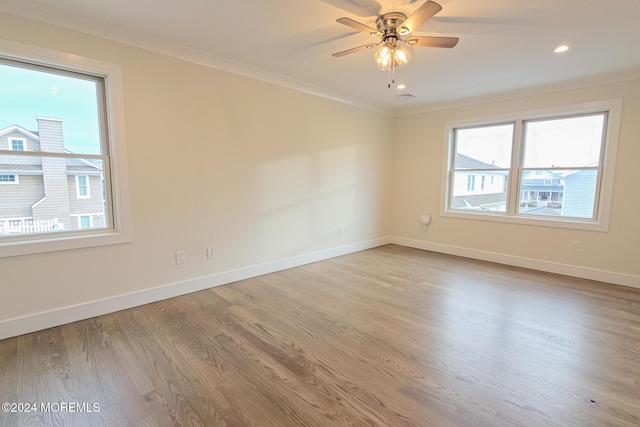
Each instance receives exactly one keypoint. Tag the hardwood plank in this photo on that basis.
(387, 337)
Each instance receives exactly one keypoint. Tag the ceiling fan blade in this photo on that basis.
(358, 26)
(420, 16)
(425, 41)
(355, 49)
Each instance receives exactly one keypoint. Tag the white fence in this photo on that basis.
(29, 226)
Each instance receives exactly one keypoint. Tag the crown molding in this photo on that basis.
(76, 22)
(79, 23)
(555, 87)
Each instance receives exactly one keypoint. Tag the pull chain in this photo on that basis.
(392, 73)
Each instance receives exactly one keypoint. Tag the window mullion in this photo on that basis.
(65, 155)
(514, 173)
(597, 196)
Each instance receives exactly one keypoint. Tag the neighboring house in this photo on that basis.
(541, 188)
(580, 187)
(40, 194)
(478, 189)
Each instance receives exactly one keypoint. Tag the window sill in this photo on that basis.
(77, 240)
(538, 221)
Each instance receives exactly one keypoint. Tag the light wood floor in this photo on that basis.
(386, 337)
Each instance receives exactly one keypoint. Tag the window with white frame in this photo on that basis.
(8, 179)
(85, 221)
(69, 116)
(550, 168)
(82, 187)
(17, 144)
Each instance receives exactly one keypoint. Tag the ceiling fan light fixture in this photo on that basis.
(401, 56)
(391, 28)
(391, 56)
(383, 57)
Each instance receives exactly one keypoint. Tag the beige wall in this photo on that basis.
(418, 171)
(264, 173)
(258, 171)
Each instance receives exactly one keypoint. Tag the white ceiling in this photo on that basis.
(506, 46)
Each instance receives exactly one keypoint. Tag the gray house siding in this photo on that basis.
(92, 204)
(16, 199)
(579, 189)
(86, 206)
(31, 145)
(54, 172)
(51, 135)
(45, 190)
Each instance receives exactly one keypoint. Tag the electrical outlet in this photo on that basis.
(575, 246)
(181, 257)
(211, 253)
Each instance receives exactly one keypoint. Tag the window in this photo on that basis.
(473, 157)
(553, 168)
(17, 144)
(82, 187)
(67, 111)
(8, 179)
(84, 221)
(471, 182)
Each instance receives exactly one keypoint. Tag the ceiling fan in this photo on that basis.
(393, 30)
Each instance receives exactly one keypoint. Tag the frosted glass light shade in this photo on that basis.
(388, 55)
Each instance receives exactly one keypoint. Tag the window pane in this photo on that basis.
(28, 94)
(483, 147)
(561, 193)
(16, 145)
(83, 188)
(564, 142)
(480, 190)
(44, 200)
(85, 221)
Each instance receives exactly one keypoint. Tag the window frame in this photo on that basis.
(79, 219)
(16, 179)
(604, 188)
(86, 185)
(13, 138)
(115, 169)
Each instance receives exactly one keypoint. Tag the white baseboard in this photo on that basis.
(60, 316)
(534, 264)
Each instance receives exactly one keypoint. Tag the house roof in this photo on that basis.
(19, 167)
(20, 129)
(477, 200)
(466, 162)
(80, 168)
(544, 174)
(73, 164)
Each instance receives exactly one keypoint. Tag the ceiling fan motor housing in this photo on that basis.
(388, 25)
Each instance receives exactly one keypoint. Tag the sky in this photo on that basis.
(26, 94)
(489, 144)
(559, 142)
